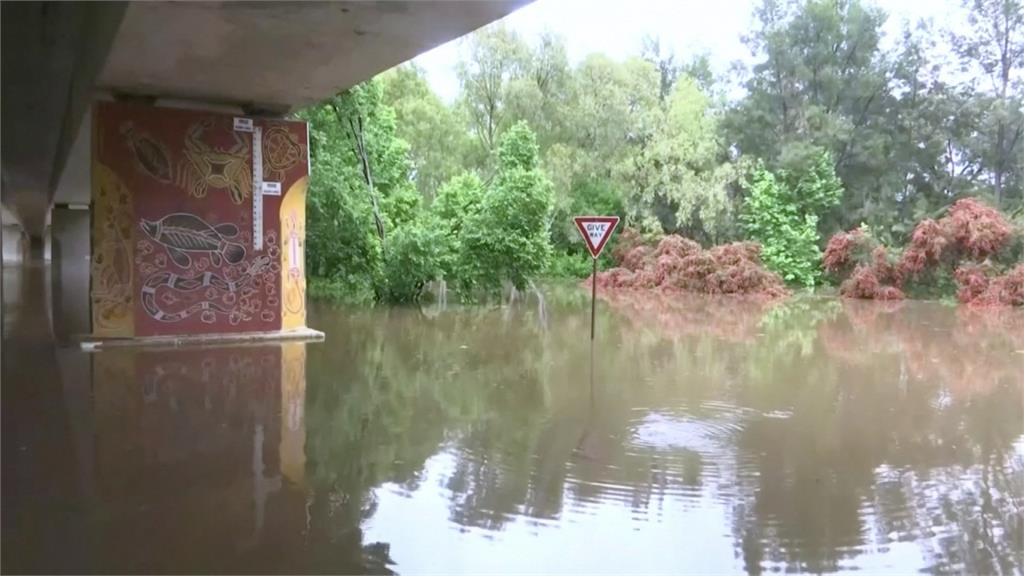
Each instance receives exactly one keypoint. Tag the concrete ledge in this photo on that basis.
(95, 344)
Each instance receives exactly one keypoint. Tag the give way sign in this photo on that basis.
(596, 230)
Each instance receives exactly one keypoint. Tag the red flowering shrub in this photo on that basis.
(970, 233)
(839, 254)
(889, 293)
(678, 263)
(616, 278)
(636, 257)
(736, 253)
(972, 281)
(927, 243)
(676, 246)
(862, 283)
(698, 266)
(744, 278)
(627, 241)
(978, 230)
(887, 271)
(665, 269)
(979, 288)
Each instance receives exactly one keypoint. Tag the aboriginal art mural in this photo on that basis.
(173, 249)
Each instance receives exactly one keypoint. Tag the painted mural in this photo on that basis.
(111, 264)
(293, 275)
(173, 231)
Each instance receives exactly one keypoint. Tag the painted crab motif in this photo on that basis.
(205, 167)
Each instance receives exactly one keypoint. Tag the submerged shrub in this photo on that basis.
(678, 263)
(844, 250)
(963, 243)
(978, 286)
(978, 231)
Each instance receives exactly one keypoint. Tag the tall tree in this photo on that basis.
(821, 85)
(678, 179)
(437, 135)
(993, 45)
(931, 125)
(360, 185)
(507, 238)
(496, 57)
(664, 61)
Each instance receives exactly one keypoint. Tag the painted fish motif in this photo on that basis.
(182, 233)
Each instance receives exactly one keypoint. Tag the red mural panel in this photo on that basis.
(189, 175)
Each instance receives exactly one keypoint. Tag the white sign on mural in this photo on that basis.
(271, 188)
(243, 124)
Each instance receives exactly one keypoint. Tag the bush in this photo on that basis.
(678, 263)
(457, 200)
(781, 213)
(961, 249)
(570, 266)
(507, 239)
(978, 286)
(845, 249)
(416, 256)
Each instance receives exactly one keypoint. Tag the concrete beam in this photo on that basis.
(52, 54)
(277, 56)
(261, 57)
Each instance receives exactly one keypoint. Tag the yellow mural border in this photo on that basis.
(293, 256)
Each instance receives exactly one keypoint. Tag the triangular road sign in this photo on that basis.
(596, 230)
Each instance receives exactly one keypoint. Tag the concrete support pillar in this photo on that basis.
(34, 248)
(69, 265)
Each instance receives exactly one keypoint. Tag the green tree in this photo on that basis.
(993, 47)
(507, 239)
(419, 252)
(496, 58)
(360, 189)
(438, 137)
(781, 211)
(679, 179)
(820, 86)
(457, 201)
(542, 95)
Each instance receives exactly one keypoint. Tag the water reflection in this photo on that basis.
(702, 435)
(801, 455)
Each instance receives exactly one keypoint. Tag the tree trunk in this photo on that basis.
(364, 161)
(997, 180)
(355, 126)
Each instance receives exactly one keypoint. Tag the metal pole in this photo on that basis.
(593, 299)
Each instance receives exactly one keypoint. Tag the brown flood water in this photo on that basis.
(700, 436)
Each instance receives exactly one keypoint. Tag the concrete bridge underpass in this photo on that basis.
(254, 59)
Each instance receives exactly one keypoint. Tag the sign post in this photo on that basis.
(596, 230)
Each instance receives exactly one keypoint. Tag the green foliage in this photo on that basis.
(889, 131)
(507, 239)
(572, 265)
(588, 197)
(497, 59)
(401, 206)
(782, 211)
(341, 243)
(419, 251)
(681, 175)
(458, 199)
(438, 140)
